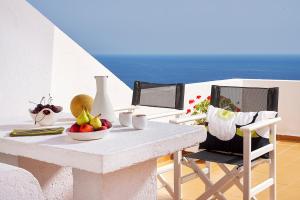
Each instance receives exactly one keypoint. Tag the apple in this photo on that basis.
(74, 128)
(86, 128)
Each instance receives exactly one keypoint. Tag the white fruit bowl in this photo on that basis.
(45, 120)
(84, 136)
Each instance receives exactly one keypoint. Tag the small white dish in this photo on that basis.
(85, 136)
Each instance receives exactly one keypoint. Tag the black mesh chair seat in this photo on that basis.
(218, 157)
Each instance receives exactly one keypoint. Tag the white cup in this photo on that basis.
(125, 118)
(139, 121)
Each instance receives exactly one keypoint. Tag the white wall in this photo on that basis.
(289, 103)
(203, 89)
(26, 42)
(37, 58)
(74, 70)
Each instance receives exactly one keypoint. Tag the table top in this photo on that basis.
(122, 147)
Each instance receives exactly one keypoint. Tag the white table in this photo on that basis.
(120, 166)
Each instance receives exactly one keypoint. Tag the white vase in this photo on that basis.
(102, 103)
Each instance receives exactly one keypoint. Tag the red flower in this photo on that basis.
(198, 97)
(194, 106)
(208, 98)
(188, 110)
(191, 101)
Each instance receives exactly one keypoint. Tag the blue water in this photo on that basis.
(191, 69)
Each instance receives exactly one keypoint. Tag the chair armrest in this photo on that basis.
(165, 114)
(130, 108)
(251, 155)
(187, 119)
(260, 124)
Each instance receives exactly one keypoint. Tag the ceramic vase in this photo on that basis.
(102, 103)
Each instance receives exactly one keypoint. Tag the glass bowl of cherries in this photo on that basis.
(45, 114)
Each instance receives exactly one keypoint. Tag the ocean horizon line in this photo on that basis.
(200, 55)
(192, 69)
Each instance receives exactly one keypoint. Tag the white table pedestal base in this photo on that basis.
(131, 183)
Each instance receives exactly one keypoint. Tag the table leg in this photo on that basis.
(56, 181)
(177, 175)
(134, 182)
(9, 159)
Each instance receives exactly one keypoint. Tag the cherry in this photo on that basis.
(39, 107)
(46, 112)
(56, 109)
(47, 106)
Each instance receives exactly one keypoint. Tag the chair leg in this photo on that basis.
(273, 162)
(232, 177)
(237, 181)
(220, 184)
(247, 165)
(208, 175)
(165, 184)
(204, 178)
(177, 175)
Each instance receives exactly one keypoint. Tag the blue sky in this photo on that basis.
(178, 26)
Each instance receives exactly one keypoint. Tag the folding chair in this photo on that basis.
(158, 95)
(161, 96)
(244, 152)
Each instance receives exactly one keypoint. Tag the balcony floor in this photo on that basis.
(288, 177)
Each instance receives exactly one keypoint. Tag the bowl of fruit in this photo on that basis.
(45, 114)
(89, 127)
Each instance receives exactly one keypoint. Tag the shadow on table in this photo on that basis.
(124, 130)
(60, 140)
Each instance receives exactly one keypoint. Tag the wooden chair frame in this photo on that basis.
(234, 175)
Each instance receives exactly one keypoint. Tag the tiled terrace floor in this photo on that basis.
(288, 177)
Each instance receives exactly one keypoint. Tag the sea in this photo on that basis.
(200, 68)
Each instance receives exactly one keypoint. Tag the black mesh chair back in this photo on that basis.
(245, 99)
(158, 95)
